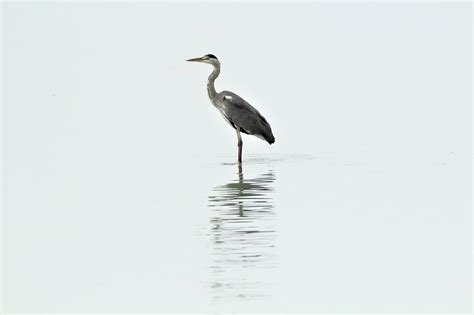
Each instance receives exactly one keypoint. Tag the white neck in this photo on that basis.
(210, 84)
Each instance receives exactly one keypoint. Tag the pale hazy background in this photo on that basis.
(112, 152)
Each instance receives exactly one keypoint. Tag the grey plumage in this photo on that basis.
(242, 116)
(240, 113)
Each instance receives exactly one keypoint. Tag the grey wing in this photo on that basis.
(241, 114)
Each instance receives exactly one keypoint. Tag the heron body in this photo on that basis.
(240, 115)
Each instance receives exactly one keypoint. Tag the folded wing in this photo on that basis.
(239, 113)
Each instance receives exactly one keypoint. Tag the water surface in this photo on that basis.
(243, 236)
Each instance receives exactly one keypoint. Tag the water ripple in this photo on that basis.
(242, 237)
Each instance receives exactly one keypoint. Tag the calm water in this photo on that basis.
(282, 233)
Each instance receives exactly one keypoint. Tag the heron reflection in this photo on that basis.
(243, 236)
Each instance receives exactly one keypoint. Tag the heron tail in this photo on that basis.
(270, 138)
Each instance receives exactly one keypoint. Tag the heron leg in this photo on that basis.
(239, 144)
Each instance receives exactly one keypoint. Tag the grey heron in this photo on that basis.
(240, 115)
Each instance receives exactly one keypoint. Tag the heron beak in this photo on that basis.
(195, 59)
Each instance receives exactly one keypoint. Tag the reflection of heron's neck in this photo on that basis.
(210, 84)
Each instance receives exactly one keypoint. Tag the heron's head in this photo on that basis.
(209, 58)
